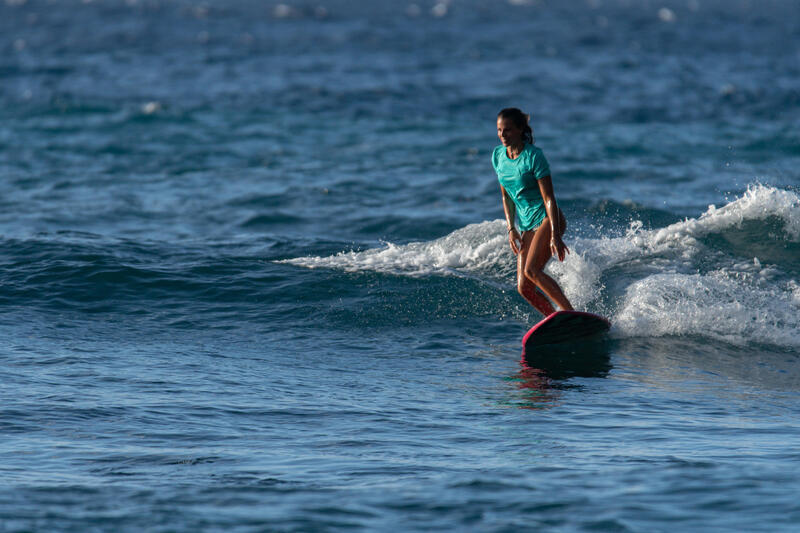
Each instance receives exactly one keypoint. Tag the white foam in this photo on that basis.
(666, 15)
(471, 248)
(579, 277)
(658, 285)
(794, 288)
(677, 245)
(757, 203)
(722, 305)
(734, 300)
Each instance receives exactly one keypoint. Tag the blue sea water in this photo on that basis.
(254, 274)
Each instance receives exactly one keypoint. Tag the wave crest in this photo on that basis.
(698, 276)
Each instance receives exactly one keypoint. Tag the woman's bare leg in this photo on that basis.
(538, 254)
(537, 299)
(524, 286)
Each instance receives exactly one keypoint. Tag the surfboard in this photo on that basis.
(564, 326)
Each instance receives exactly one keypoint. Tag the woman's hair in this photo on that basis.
(520, 120)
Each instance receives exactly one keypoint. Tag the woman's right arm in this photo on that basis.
(511, 211)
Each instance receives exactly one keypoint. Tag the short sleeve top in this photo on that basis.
(519, 178)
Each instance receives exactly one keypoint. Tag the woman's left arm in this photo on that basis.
(557, 246)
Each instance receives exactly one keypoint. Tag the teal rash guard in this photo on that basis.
(519, 178)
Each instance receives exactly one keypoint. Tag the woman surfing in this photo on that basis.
(527, 191)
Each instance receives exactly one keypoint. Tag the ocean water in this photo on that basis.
(254, 274)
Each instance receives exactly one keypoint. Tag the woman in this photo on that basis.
(527, 189)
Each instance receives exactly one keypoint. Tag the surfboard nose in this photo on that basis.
(564, 326)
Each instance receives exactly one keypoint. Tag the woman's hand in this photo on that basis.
(515, 240)
(558, 248)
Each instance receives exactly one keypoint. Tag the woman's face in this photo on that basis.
(508, 133)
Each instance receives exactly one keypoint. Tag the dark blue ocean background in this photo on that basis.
(254, 274)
